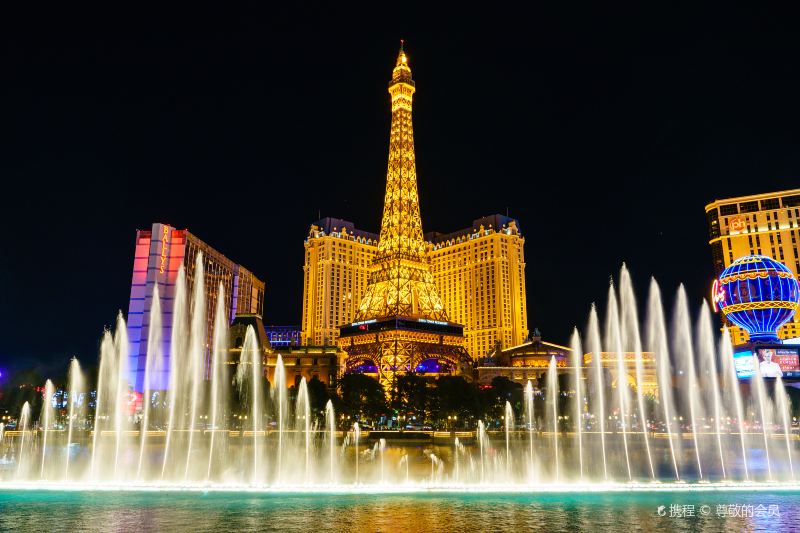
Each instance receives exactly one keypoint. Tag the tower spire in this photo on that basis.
(401, 302)
(401, 282)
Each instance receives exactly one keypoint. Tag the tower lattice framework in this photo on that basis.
(401, 285)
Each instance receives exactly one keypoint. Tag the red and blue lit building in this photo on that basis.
(159, 253)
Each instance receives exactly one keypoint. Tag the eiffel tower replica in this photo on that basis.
(401, 325)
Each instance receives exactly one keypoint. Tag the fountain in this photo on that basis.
(598, 428)
(595, 348)
(75, 386)
(404, 462)
(577, 377)
(218, 389)
(356, 436)
(509, 426)
(330, 423)
(552, 386)
(529, 425)
(155, 360)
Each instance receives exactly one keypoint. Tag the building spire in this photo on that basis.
(401, 283)
(401, 226)
(402, 69)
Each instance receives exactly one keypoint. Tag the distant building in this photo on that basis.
(335, 274)
(238, 332)
(480, 274)
(280, 336)
(610, 364)
(321, 362)
(760, 224)
(527, 361)
(159, 253)
(531, 360)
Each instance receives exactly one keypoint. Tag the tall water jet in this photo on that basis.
(529, 423)
(248, 380)
(404, 462)
(731, 381)
(482, 446)
(75, 385)
(217, 371)
(436, 468)
(381, 445)
(632, 340)
(253, 354)
(24, 423)
(577, 366)
(509, 427)
(46, 420)
(152, 368)
(330, 421)
(303, 415)
(279, 392)
(356, 436)
(614, 344)
(105, 378)
(197, 352)
(595, 348)
(552, 385)
(456, 453)
(764, 411)
(686, 362)
(121, 388)
(708, 371)
(658, 344)
(782, 401)
(177, 363)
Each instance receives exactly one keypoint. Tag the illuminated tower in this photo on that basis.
(401, 283)
(401, 324)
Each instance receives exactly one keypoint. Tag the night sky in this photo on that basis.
(605, 130)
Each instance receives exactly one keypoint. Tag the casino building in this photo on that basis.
(765, 224)
(477, 273)
(159, 253)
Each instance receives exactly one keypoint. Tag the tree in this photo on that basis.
(20, 388)
(362, 396)
(495, 397)
(455, 396)
(412, 397)
(318, 396)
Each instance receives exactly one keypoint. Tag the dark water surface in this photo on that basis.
(247, 511)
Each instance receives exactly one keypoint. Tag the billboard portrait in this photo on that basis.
(773, 362)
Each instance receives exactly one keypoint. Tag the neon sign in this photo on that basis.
(717, 295)
(164, 244)
(736, 224)
(429, 321)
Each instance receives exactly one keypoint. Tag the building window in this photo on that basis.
(748, 207)
(771, 203)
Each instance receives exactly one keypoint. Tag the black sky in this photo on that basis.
(604, 130)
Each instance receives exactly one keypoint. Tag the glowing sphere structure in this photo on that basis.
(758, 294)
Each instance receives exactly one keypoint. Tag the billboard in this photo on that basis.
(773, 361)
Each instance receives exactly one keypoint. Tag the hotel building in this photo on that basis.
(763, 224)
(159, 253)
(479, 273)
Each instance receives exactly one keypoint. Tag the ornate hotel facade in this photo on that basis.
(478, 273)
(763, 224)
